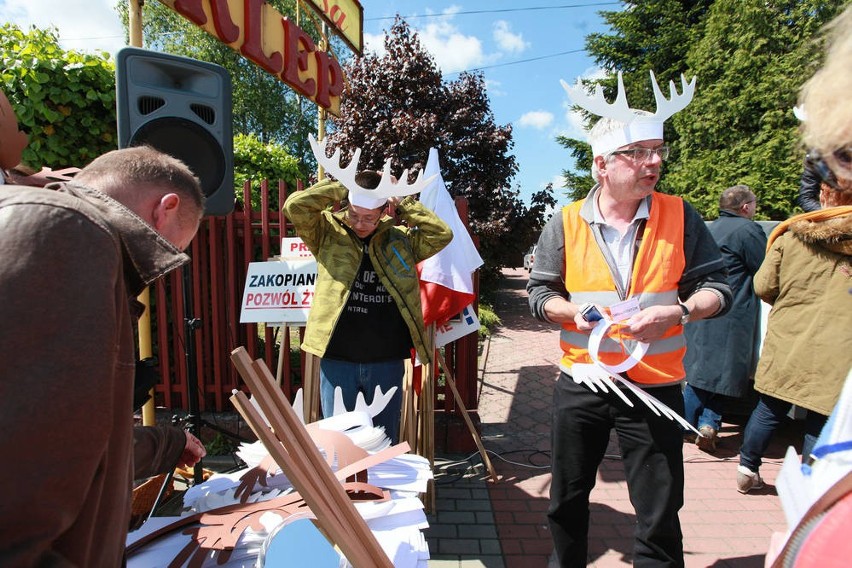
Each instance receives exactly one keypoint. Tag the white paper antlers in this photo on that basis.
(619, 109)
(387, 187)
(637, 126)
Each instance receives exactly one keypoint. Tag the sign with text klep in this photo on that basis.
(279, 291)
(276, 44)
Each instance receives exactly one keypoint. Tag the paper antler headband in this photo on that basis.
(637, 127)
(362, 196)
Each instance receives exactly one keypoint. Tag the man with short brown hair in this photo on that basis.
(75, 257)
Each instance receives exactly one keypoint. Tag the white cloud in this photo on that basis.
(84, 25)
(538, 119)
(374, 43)
(453, 51)
(508, 41)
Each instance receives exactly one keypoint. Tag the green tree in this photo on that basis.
(750, 61)
(397, 106)
(64, 100)
(750, 57)
(577, 184)
(647, 35)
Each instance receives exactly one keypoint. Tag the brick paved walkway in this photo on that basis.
(721, 527)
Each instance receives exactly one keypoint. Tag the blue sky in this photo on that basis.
(522, 47)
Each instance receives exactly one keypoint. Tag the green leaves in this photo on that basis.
(64, 101)
(751, 57)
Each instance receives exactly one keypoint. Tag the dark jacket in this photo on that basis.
(72, 263)
(156, 449)
(722, 352)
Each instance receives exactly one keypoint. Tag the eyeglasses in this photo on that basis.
(353, 220)
(840, 162)
(643, 154)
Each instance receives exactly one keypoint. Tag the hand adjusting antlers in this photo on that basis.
(386, 188)
(620, 111)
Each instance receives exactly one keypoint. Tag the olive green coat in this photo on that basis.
(394, 251)
(806, 277)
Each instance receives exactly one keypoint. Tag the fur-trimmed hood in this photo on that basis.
(834, 234)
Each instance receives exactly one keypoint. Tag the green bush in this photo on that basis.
(488, 320)
(64, 100)
(256, 161)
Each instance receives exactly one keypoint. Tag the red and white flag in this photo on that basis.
(446, 279)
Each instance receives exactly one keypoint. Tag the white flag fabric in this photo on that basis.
(453, 267)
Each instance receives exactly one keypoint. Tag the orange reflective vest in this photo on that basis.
(657, 268)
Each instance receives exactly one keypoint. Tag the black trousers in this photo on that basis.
(652, 454)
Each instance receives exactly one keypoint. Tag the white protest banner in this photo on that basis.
(279, 291)
(292, 248)
(466, 322)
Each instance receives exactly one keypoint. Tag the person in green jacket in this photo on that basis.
(365, 316)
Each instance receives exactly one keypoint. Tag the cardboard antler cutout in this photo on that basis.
(387, 187)
(619, 109)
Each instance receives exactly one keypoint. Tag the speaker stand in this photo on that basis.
(193, 418)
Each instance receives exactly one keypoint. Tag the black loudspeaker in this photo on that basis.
(182, 107)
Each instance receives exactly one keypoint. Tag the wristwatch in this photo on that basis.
(685, 315)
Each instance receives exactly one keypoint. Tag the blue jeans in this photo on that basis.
(703, 408)
(762, 423)
(353, 378)
(652, 456)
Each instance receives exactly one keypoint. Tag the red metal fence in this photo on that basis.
(221, 253)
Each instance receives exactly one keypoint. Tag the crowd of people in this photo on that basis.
(628, 269)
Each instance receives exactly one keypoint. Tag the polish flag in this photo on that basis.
(446, 279)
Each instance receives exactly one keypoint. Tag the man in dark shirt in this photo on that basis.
(366, 315)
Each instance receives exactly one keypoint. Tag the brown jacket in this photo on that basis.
(806, 277)
(71, 265)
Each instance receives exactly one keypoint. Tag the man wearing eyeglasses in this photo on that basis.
(624, 249)
(365, 316)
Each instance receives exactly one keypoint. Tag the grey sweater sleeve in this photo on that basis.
(547, 278)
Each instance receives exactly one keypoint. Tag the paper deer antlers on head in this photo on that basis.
(620, 111)
(637, 125)
(387, 186)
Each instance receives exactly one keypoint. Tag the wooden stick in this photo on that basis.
(450, 381)
(312, 476)
(301, 479)
(311, 388)
(283, 330)
(308, 486)
(320, 495)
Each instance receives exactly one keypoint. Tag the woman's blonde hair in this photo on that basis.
(827, 96)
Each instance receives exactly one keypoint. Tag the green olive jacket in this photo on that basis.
(394, 251)
(806, 277)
